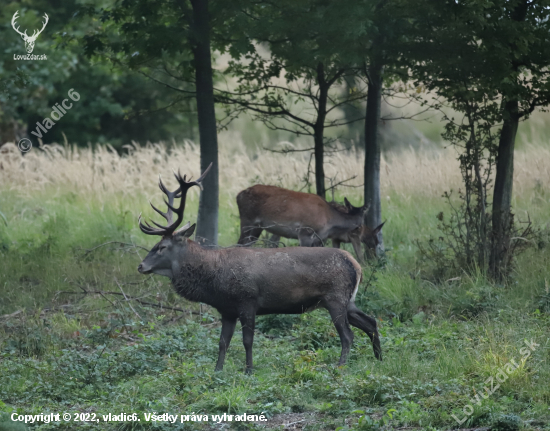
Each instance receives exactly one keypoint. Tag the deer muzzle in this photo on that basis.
(142, 269)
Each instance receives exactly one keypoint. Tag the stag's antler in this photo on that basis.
(181, 192)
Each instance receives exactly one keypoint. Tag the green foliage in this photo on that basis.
(486, 59)
(6, 424)
(366, 423)
(276, 325)
(438, 340)
(115, 106)
(508, 422)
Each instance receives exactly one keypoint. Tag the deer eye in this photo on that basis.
(161, 248)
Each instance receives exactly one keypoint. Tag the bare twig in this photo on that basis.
(332, 187)
(88, 251)
(132, 298)
(7, 316)
(125, 297)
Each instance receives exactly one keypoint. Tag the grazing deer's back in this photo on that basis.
(262, 202)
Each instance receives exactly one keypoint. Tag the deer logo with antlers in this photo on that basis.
(29, 40)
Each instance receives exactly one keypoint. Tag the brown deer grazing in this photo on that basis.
(303, 216)
(244, 282)
(367, 236)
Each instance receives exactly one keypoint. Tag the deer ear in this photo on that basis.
(185, 232)
(348, 205)
(378, 229)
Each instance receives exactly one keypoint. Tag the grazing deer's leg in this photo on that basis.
(274, 241)
(309, 239)
(317, 242)
(305, 239)
(368, 325)
(356, 243)
(336, 243)
(340, 319)
(228, 328)
(249, 234)
(248, 323)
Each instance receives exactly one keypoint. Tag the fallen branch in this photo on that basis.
(88, 251)
(7, 316)
(125, 297)
(128, 297)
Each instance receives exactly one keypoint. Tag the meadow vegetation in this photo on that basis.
(82, 331)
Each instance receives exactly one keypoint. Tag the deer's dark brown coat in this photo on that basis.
(244, 282)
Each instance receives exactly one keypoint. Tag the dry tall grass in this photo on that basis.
(102, 172)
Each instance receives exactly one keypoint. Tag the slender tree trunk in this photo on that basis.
(502, 195)
(319, 160)
(207, 223)
(319, 132)
(356, 131)
(373, 218)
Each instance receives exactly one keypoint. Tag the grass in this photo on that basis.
(66, 345)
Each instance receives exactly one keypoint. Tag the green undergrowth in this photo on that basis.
(82, 331)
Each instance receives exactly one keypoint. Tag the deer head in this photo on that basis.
(370, 238)
(29, 40)
(356, 211)
(166, 255)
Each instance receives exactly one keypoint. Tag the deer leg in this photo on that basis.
(249, 234)
(307, 239)
(340, 320)
(274, 241)
(317, 242)
(368, 325)
(356, 243)
(336, 243)
(228, 328)
(248, 322)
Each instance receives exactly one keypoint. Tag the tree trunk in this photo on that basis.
(502, 195)
(319, 160)
(319, 132)
(207, 220)
(373, 218)
(356, 131)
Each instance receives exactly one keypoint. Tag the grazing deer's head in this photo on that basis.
(167, 254)
(370, 237)
(29, 40)
(349, 209)
(356, 211)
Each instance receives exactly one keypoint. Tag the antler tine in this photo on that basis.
(199, 180)
(148, 229)
(170, 204)
(162, 213)
(181, 192)
(184, 187)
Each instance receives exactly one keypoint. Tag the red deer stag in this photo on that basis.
(244, 282)
(303, 216)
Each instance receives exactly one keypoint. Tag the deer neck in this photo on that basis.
(195, 275)
(342, 223)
